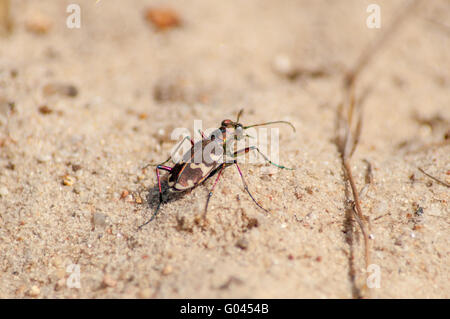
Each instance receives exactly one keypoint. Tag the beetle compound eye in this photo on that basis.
(227, 123)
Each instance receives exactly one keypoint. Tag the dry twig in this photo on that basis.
(349, 126)
(434, 178)
(6, 24)
(348, 138)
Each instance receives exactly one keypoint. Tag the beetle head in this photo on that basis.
(229, 124)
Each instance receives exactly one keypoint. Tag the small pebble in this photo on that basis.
(419, 211)
(34, 291)
(145, 293)
(43, 158)
(108, 281)
(44, 109)
(61, 89)
(167, 270)
(138, 199)
(282, 64)
(242, 243)
(38, 23)
(60, 284)
(76, 167)
(124, 194)
(68, 180)
(3, 191)
(162, 18)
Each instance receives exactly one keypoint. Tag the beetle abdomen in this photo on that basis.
(189, 175)
(174, 173)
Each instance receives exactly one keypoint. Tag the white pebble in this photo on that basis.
(3, 191)
(34, 291)
(42, 158)
(282, 64)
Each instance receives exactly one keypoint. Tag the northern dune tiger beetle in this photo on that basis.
(206, 158)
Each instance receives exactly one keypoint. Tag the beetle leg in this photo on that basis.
(246, 188)
(170, 157)
(202, 134)
(251, 148)
(165, 168)
(212, 189)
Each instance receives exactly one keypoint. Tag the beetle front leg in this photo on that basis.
(222, 166)
(202, 134)
(246, 188)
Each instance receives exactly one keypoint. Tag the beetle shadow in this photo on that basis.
(167, 195)
(152, 198)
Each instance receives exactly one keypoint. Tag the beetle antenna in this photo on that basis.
(239, 115)
(274, 122)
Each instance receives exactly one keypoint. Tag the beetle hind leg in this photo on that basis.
(212, 190)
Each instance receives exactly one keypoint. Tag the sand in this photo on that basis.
(72, 188)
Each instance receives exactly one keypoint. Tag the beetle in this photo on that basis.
(207, 157)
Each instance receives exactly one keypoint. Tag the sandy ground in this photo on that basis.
(72, 188)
